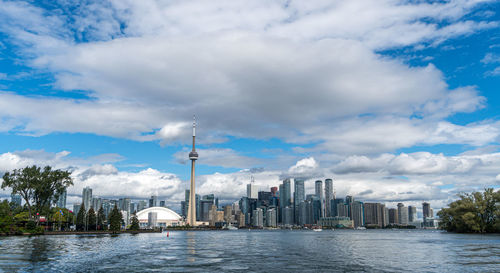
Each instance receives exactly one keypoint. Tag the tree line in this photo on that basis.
(474, 212)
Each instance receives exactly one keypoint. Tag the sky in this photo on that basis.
(397, 101)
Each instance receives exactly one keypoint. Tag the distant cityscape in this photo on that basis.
(276, 208)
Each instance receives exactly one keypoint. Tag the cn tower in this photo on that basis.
(193, 155)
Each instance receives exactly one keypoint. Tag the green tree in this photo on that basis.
(473, 212)
(100, 219)
(91, 219)
(134, 222)
(7, 220)
(38, 187)
(80, 218)
(115, 220)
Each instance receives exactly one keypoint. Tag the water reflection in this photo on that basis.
(293, 251)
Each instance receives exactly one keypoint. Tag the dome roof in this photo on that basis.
(163, 214)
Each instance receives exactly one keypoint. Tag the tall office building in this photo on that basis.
(287, 216)
(258, 218)
(328, 196)
(87, 198)
(271, 217)
(426, 208)
(342, 210)
(348, 201)
(153, 201)
(193, 156)
(358, 214)
(412, 214)
(285, 197)
(61, 201)
(97, 203)
(318, 190)
(124, 204)
(141, 205)
(274, 190)
(402, 214)
(298, 196)
(393, 217)
(334, 206)
(375, 214)
(76, 208)
(252, 191)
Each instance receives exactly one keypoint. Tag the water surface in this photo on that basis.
(242, 251)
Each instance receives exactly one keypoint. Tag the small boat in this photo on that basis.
(317, 229)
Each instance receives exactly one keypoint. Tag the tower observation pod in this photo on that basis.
(193, 155)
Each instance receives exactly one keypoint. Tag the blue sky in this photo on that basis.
(396, 101)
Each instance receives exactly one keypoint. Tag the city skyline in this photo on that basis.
(396, 109)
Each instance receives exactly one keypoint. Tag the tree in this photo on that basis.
(39, 188)
(91, 219)
(474, 212)
(7, 220)
(135, 222)
(80, 218)
(100, 219)
(115, 220)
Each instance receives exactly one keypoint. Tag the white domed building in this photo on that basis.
(159, 217)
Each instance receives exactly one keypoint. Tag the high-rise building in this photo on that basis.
(87, 198)
(342, 210)
(358, 213)
(298, 196)
(303, 215)
(318, 190)
(285, 197)
(375, 214)
(287, 216)
(258, 218)
(328, 196)
(426, 208)
(402, 214)
(271, 218)
(162, 203)
(393, 217)
(97, 203)
(76, 208)
(333, 207)
(412, 214)
(252, 191)
(153, 201)
(265, 198)
(228, 212)
(193, 156)
(348, 201)
(274, 190)
(141, 205)
(15, 199)
(61, 201)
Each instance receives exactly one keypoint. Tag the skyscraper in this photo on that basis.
(61, 201)
(393, 217)
(328, 196)
(252, 191)
(193, 156)
(426, 207)
(285, 197)
(87, 198)
(153, 201)
(375, 214)
(318, 190)
(412, 214)
(298, 196)
(274, 190)
(358, 214)
(402, 214)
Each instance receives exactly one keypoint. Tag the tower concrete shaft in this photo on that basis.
(193, 155)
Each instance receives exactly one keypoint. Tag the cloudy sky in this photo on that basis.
(394, 100)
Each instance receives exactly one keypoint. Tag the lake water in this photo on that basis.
(256, 250)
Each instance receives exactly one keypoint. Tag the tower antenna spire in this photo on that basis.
(193, 156)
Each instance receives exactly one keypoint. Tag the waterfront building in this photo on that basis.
(298, 196)
(228, 212)
(336, 222)
(285, 196)
(16, 200)
(240, 217)
(402, 214)
(303, 215)
(348, 201)
(271, 217)
(252, 191)
(61, 201)
(328, 196)
(287, 216)
(358, 214)
(334, 204)
(393, 216)
(412, 214)
(342, 210)
(206, 206)
(385, 220)
(258, 218)
(318, 190)
(163, 217)
(426, 210)
(152, 219)
(265, 198)
(375, 214)
(87, 198)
